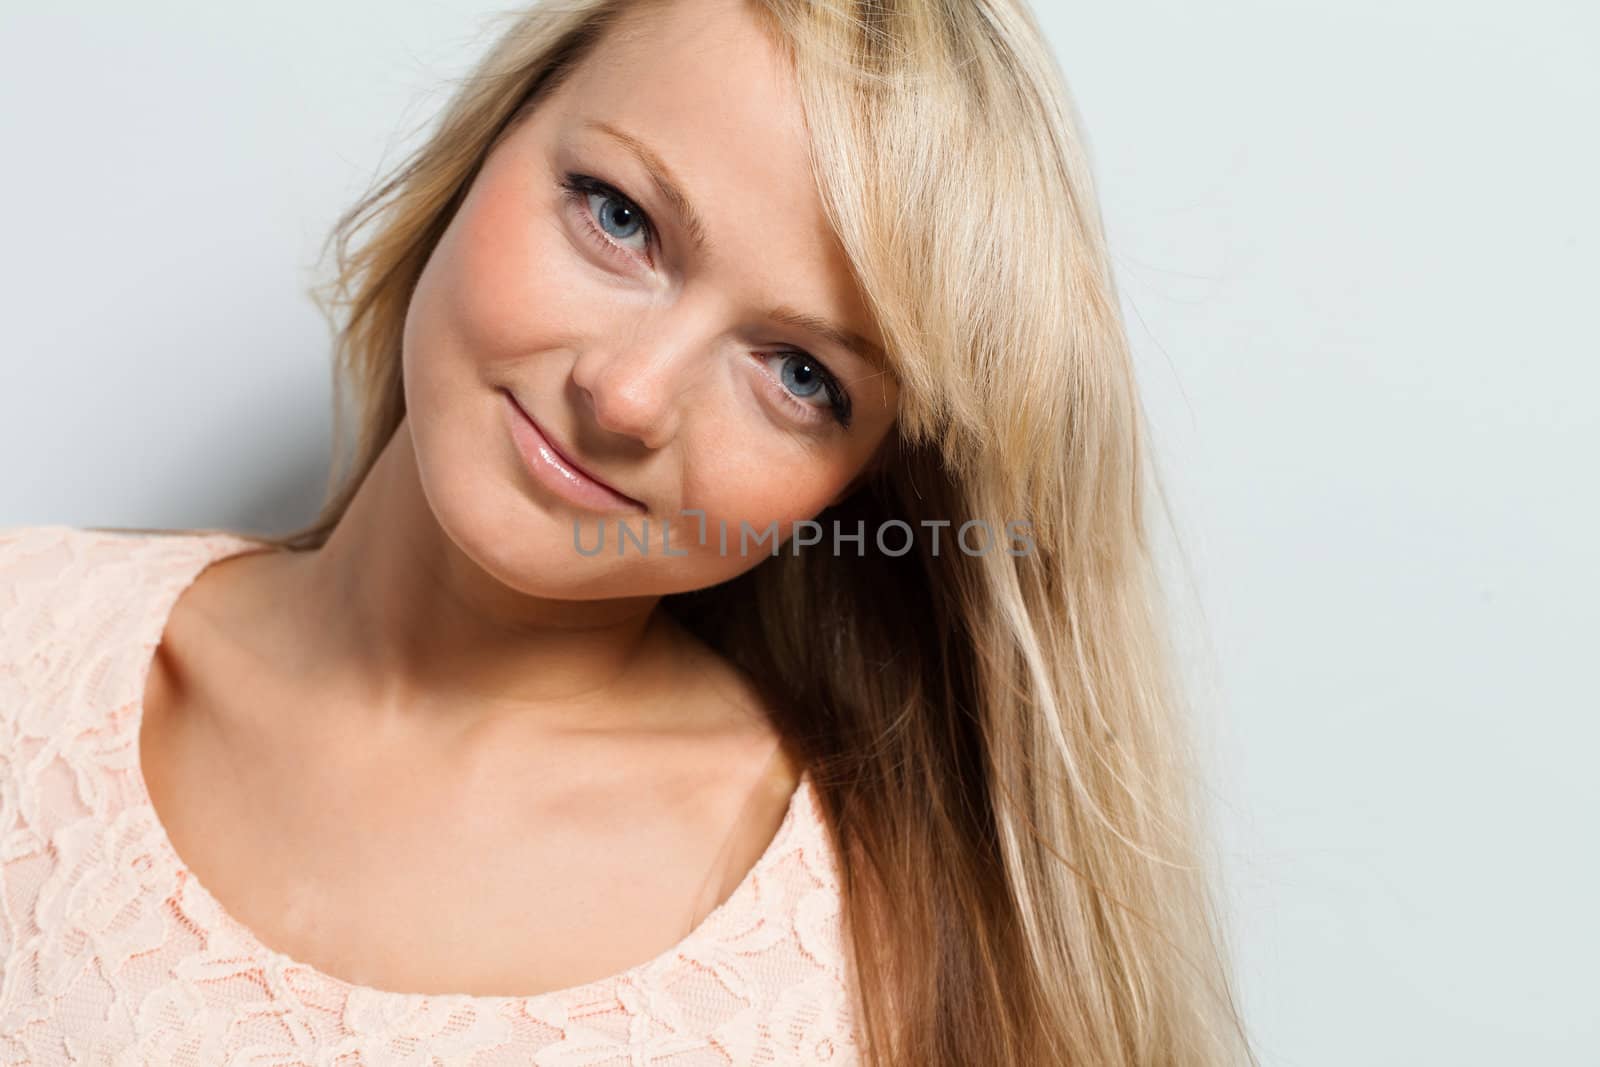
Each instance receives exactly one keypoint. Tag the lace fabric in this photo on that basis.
(112, 952)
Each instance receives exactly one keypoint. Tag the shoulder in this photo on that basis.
(58, 571)
(26, 550)
(74, 604)
(37, 567)
(21, 546)
(56, 550)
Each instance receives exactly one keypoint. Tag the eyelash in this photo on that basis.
(579, 187)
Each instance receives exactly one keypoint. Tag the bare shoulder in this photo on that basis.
(200, 665)
(740, 767)
(214, 638)
(740, 708)
(716, 678)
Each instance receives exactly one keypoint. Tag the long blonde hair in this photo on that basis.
(997, 742)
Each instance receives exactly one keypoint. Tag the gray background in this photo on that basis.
(1356, 246)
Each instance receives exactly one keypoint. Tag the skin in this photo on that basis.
(445, 752)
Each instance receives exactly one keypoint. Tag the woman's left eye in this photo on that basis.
(612, 218)
(807, 384)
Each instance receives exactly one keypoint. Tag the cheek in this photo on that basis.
(781, 482)
(761, 485)
(492, 293)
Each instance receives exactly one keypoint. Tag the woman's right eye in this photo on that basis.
(610, 218)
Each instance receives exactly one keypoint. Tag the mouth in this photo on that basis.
(554, 466)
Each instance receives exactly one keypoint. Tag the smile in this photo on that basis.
(555, 470)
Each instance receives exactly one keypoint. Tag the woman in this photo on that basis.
(444, 777)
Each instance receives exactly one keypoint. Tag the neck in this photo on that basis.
(393, 614)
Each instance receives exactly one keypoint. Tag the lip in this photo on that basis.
(556, 471)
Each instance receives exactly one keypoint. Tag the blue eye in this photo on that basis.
(628, 215)
(615, 210)
(803, 376)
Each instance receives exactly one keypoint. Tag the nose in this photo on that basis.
(634, 386)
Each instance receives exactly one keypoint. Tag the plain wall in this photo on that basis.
(1356, 248)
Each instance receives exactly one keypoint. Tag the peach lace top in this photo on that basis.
(112, 952)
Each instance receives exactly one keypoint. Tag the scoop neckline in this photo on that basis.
(214, 547)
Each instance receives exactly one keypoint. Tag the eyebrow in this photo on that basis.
(661, 176)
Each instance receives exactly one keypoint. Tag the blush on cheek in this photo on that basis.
(501, 271)
(782, 483)
(785, 510)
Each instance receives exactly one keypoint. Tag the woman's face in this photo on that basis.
(656, 338)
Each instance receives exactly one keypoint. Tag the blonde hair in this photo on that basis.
(997, 741)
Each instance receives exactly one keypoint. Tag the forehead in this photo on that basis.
(700, 49)
(702, 84)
